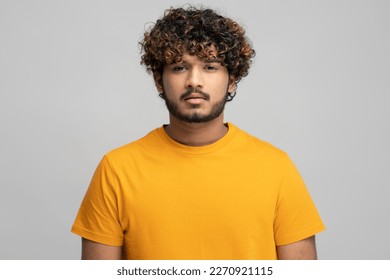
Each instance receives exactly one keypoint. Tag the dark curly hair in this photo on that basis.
(200, 32)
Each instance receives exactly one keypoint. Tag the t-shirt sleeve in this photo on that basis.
(296, 216)
(97, 219)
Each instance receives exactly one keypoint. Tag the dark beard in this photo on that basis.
(195, 117)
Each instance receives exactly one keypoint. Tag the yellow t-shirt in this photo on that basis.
(237, 198)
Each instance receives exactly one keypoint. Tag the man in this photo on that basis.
(197, 188)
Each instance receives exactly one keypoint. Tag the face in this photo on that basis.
(195, 90)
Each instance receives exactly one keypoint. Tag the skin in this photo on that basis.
(302, 250)
(212, 78)
(208, 76)
(91, 250)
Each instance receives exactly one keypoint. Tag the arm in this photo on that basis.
(301, 250)
(96, 251)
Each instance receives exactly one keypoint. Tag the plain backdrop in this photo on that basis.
(72, 88)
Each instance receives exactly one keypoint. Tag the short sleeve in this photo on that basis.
(97, 219)
(296, 216)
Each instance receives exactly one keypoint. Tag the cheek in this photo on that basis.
(221, 85)
(172, 87)
(169, 82)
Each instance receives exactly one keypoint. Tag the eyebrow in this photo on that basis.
(212, 60)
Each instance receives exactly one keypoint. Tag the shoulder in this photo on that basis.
(254, 144)
(147, 143)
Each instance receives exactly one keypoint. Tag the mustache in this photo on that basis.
(190, 91)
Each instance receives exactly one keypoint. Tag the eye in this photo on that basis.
(211, 67)
(178, 68)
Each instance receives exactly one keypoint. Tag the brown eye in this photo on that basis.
(210, 68)
(178, 68)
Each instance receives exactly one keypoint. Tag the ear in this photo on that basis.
(232, 84)
(158, 82)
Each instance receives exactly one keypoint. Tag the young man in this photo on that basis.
(197, 188)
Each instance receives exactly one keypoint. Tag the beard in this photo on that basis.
(195, 117)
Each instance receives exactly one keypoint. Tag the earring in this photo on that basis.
(162, 95)
(230, 96)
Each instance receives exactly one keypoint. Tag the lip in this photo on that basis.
(194, 96)
(195, 99)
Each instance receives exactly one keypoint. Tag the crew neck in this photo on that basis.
(206, 149)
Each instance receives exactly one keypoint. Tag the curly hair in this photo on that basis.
(200, 32)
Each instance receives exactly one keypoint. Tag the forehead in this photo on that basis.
(189, 58)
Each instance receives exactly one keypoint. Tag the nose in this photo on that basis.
(194, 78)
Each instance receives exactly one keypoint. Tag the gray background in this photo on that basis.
(71, 89)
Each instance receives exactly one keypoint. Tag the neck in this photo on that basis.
(196, 134)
